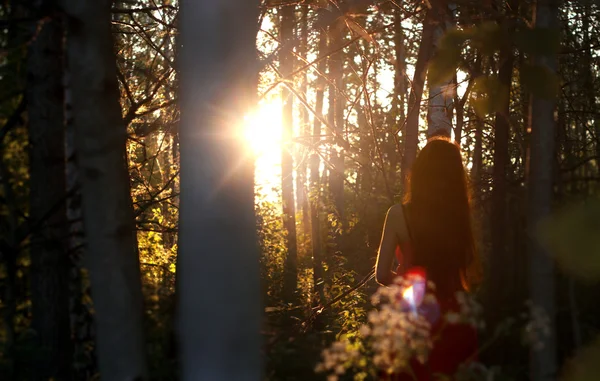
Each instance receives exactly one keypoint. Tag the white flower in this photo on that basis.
(537, 328)
(364, 330)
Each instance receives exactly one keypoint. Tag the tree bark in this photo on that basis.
(218, 289)
(290, 280)
(315, 162)
(439, 113)
(500, 259)
(543, 363)
(111, 253)
(411, 135)
(49, 254)
(301, 177)
(336, 111)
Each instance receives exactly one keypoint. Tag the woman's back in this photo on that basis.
(432, 231)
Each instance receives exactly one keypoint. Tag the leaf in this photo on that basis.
(487, 37)
(572, 238)
(538, 41)
(585, 366)
(540, 81)
(488, 95)
(443, 66)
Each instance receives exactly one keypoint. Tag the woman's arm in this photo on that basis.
(387, 248)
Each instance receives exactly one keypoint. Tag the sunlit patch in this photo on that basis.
(262, 129)
(262, 133)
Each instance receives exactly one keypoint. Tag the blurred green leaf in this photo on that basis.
(443, 65)
(540, 81)
(487, 37)
(538, 41)
(572, 236)
(586, 364)
(488, 95)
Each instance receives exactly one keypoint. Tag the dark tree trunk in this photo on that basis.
(100, 138)
(290, 280)
(543, 363)
(218, 288)
(49, 251)
(502, 301)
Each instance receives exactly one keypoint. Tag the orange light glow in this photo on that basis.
(262, 133)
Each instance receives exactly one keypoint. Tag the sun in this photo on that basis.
(262, 128)
(262, 133)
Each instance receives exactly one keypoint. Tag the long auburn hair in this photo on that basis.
(439, 217)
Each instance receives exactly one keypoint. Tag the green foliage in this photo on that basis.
(538, 41)
(540, 81)
(443, 66)
(585, 366)
(488, 95)
(572, 236)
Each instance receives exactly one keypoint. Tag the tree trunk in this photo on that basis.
(290, 280)
(439, 113)
(411, 135)
(315, 162)
(301, 177)
(100, 140)
(476, 172)
(502, 301)
(543, 363)
(499, 207)
(336, 104)
(398, 103)
(81, 317)
(459, 109)
(49, 255)
(218, 288)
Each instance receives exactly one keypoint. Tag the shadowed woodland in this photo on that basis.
(196, 189)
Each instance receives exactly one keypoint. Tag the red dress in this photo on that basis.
(457, 343)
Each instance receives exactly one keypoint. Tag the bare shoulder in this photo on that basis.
(395, 218)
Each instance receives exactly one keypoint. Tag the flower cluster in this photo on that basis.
(470, 311)
(337, 358)
(537, 328)
(396, 332)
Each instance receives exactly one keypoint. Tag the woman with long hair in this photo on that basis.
(431, 231)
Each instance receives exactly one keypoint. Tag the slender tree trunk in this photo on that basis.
(411, 135)
(398, 105)
(398, 113)
(439, 115)
(290, 281)
(100, 140)
(477, 156)
(302, 197)
(218, 287)
(459, 110)
(543, 364)
(336, 104)
(500, 259)
(315, 162)
(49, 255)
